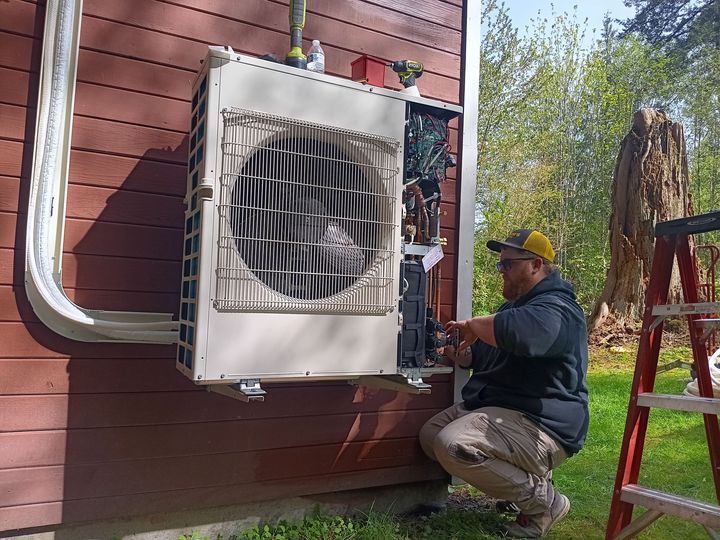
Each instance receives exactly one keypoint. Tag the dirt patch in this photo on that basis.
(462, 499)
(613, 334)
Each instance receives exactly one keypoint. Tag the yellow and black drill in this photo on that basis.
(295, 57)
(408, 71)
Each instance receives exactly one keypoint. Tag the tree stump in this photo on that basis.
(650, 184)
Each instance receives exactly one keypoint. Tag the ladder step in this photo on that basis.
(680, 403)
(699, 512)
(685, 309)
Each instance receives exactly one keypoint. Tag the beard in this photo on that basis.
(512, 290)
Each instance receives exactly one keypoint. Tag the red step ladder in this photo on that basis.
(671, 239)
(706, 288)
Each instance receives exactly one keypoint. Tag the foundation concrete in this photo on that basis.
(229, 520)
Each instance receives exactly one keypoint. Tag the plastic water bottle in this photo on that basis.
(316, 58)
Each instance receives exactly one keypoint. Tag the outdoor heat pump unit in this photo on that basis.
(297, 258)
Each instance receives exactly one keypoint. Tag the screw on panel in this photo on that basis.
(307, 373)
(222, 375)
(199, 377)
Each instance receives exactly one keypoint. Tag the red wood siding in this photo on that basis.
(95, 431)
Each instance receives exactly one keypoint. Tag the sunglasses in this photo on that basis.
(506, 264)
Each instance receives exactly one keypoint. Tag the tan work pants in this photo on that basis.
(499, 451)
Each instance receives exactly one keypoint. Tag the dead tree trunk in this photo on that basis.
(650, 184)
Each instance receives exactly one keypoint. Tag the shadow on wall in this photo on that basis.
(119, 431)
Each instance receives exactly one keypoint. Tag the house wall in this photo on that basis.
(98, 431)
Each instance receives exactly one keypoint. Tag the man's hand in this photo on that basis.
(470, 330)
(462, 359)
(466, 335)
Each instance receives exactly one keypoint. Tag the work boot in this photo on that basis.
(537, 525)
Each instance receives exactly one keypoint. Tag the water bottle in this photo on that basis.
(316, 58)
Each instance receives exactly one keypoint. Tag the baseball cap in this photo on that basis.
(527, 239)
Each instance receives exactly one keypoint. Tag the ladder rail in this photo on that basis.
(636, 423)
(644, 521)
(671, 241)
(688, 279)
(708, 286)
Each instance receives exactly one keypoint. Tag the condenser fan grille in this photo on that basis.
(307, 217)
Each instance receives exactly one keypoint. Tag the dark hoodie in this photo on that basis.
(539, 364)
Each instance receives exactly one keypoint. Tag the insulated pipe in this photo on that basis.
(48, 198)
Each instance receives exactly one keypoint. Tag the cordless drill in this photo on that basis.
(408, 70)
(295, 57)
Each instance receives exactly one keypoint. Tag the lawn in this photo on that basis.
(675, 460)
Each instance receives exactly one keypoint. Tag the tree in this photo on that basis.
(512, 188)
(681, 26)
(650, 184)
(552, 115)
(689, 31)
(701, 108)
(620, 77)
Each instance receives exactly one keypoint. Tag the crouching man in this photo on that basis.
(525, 407)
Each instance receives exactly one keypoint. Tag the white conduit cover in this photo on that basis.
(48, 197)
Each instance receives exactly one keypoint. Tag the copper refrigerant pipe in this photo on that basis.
(438, 275)
(428, 298)
(423, 219)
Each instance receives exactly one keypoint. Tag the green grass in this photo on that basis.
(675, 460)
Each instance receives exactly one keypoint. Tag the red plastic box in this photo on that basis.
(368, 70)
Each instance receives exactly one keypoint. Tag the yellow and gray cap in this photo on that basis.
(527, 239)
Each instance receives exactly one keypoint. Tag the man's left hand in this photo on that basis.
(470, 330)
(466, 336)
(462, 359)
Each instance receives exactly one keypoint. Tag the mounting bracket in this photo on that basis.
(244, 390)
(408, 380)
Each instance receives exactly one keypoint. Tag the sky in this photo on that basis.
(521, 11)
